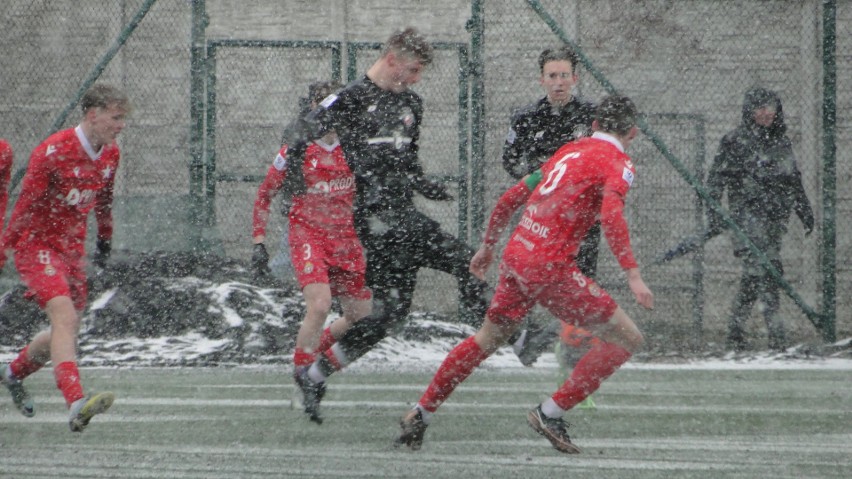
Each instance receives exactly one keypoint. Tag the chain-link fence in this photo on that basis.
(214, 82)
(687, 65)
(141, 46)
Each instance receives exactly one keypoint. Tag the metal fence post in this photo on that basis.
(829, 182)
(476, 27)
(197, 70)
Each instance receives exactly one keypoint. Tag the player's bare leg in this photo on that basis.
(64, 327)
(317, 306)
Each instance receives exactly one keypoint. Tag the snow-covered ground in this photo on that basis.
(185, 310)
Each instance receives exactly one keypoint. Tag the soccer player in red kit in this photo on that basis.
(69, 174)
(582, 182)
(6, 160)
(327, 256)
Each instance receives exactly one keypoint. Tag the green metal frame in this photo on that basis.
(821, 320)
(476, 26)
(471, 79)
(828, 251)
(198, 70)
(90, 80)
(208, 217)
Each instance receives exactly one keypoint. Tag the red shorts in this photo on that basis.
(565, 292)
(334, 260)
(49, 273)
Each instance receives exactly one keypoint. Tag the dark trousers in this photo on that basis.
(395, 255)
(753, 287)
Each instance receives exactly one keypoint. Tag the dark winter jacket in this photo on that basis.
(756, 166)
(538, 130)
(379, 131)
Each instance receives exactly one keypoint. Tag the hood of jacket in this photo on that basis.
(760, 97)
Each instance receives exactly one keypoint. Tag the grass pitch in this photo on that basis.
(238, 423)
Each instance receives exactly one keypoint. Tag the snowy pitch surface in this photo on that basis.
(729, 420)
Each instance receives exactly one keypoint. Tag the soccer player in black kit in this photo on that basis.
(377, 119)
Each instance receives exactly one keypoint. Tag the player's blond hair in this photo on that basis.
(103, 96)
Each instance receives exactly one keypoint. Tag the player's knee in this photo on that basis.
(621, 330)
(319, 306)
(636, 341)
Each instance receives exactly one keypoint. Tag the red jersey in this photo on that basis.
(6, 160)
(65, 179)
(329, 192)
(583, 181)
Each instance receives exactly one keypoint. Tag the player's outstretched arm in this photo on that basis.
(641, 292)
(508, 203)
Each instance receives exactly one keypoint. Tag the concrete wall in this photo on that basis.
(685, 58)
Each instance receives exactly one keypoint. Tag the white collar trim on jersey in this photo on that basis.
(326, 146)
(86, 145)
(607, 137)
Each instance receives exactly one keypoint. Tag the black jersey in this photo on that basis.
(379, 132)
(538, 130)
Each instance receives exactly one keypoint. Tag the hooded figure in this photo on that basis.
(756, 166)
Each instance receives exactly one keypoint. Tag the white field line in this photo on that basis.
(546, 363)
(756, 444)
(7, 413)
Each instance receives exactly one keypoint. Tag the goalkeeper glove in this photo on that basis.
(260, 260)
(102, 253)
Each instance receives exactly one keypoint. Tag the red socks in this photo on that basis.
(22, 366)
(66, 373)
(302, 358)
(458, 365)
(326, 340)
(595, 366)
(68, 381)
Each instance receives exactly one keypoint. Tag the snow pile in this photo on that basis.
(181, 309)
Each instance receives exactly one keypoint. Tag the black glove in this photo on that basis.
(432, 189)
(104, 248)
(808, 223)
(715, 225)
(260, 260)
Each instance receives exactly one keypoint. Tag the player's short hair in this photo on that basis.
(563, 53)
(102, 96)
(319, 90)
(409, 42)
(616, 114)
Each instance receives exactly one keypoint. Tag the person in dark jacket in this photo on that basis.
(756, 166)
(537, 130)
